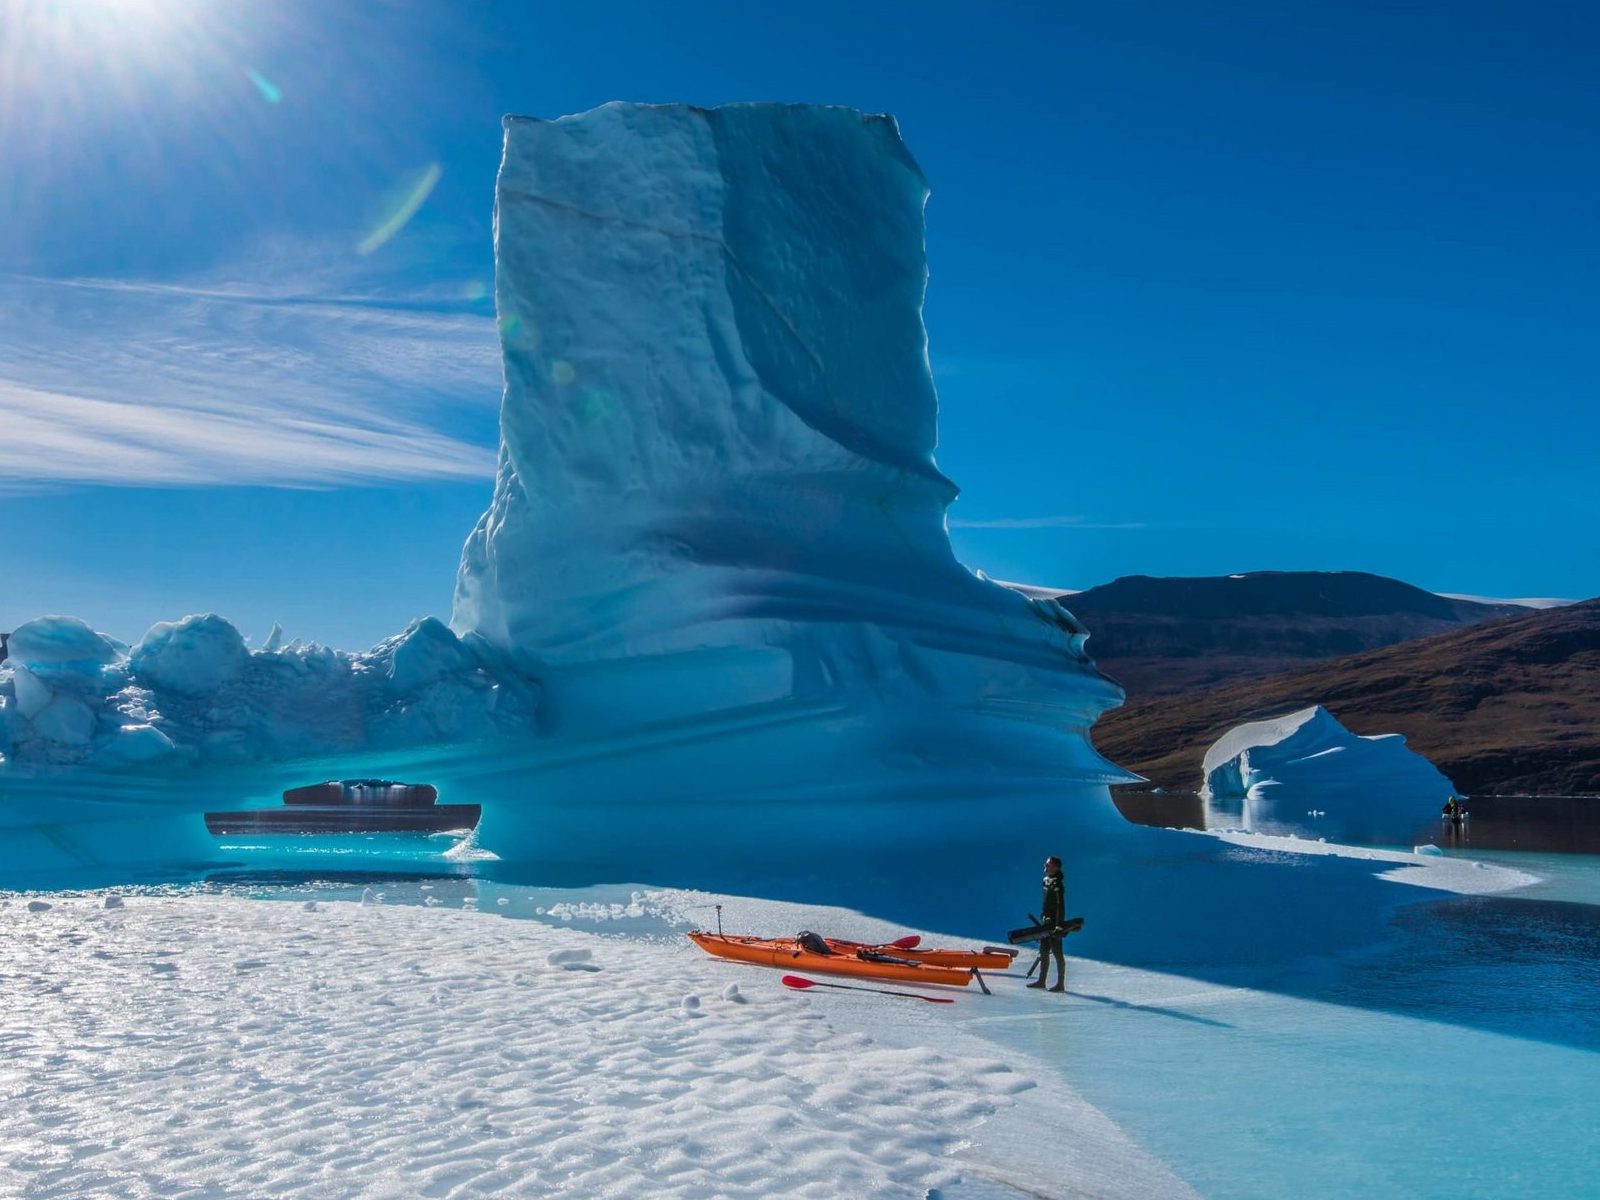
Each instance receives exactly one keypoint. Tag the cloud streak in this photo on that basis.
(116, 382)
(1058, 521)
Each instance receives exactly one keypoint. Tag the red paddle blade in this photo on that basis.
(909, 942)
(795, 981)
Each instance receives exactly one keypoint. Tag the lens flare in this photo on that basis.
(270, 92)
(408, 207)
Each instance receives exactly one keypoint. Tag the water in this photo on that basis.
(1538, 824)
(1457, 1060)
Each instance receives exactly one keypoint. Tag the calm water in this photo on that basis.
(1538, 824)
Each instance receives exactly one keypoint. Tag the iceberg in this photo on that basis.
(110, 755)
(1305, 773)
(713, 596)
(717, 537)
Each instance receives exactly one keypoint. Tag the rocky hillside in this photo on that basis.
(1511, 705)
(1163, 636)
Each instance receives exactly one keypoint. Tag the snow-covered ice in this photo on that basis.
(1306, 773)
(216, 1046)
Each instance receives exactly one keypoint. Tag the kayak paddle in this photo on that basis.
(800, 983)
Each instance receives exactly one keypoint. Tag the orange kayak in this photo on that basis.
(990, 958)
(788, 953)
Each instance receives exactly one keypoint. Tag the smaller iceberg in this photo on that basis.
(1305, 774)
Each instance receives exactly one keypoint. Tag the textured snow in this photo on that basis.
(1524, 601)
(1306, 772)
(215, 1046)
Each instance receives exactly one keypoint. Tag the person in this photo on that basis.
(1451, 807)
(1053, 913)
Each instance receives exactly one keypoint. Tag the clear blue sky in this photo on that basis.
(1214, 287)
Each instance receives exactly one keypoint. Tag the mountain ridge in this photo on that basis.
(1507, 705)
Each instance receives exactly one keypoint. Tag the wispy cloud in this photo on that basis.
(1057, 521)
(156, 383)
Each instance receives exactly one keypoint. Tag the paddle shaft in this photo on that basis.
(801, 983)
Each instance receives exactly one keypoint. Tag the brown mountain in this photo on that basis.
(1158, 636)
(1511, 705)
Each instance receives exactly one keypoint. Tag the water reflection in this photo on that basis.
(1547, 824)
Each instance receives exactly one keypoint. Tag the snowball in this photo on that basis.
(39, 906)
(732, 992)
(194, 656)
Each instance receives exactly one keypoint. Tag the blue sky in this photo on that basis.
(1214, 288)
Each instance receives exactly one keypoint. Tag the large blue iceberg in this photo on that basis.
(712, 605)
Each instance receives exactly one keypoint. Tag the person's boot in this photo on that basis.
(1044, 973)
(1061, 977)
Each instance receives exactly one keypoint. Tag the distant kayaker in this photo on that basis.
(1452, 808)
(1054, 913)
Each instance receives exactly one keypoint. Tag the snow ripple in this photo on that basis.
(220, 1047)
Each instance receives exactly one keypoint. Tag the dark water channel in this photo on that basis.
(1542, 824)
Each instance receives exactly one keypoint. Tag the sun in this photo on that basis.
(65, 63)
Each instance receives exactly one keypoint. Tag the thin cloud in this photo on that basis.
(1058, 521)
(154, 383)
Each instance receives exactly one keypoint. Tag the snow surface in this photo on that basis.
(1306, 773)
(1525, 601)
(215, 1046)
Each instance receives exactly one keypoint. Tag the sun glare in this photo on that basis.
(61, 58)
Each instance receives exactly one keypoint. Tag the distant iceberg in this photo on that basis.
(1305, 773)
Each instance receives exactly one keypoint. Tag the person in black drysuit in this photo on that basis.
(1054, 912)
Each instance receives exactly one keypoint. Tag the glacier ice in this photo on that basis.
(1306, 773)
(714, 584)
(717, 535)
(710, 630)
(195, 656)
(110, 755)
(60, 642)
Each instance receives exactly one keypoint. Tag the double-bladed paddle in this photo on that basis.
(800, 984)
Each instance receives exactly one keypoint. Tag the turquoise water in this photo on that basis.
(1459, 1059)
